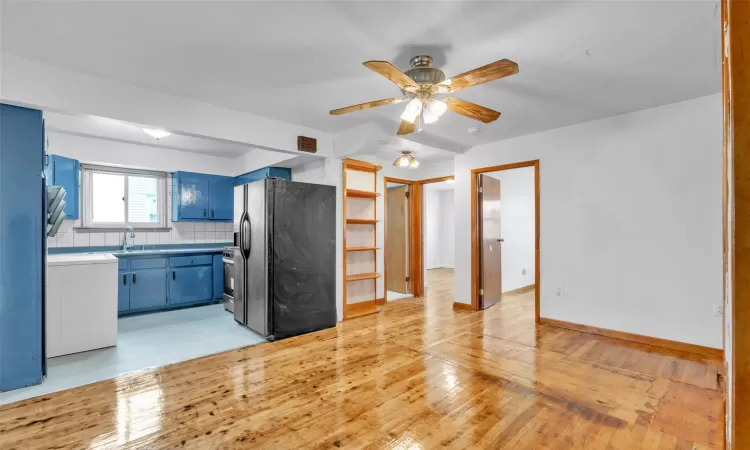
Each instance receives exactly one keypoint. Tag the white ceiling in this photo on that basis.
(578, 61)
(100, 127)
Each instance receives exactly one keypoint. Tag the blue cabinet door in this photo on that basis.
(148, 288)
(218, 277)
(190, 285)
(190, 196)
(65, 172)
(221, 198)
(123, 292)
(22, 227)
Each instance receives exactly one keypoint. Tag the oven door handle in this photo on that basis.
(227, 261)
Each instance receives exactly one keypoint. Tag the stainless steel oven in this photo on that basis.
(228, 259)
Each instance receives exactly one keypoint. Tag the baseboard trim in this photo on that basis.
(520, 290)
(657, 342)
(380, 301)
(359, 309)
(462, 307)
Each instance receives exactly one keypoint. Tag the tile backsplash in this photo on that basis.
(181, 233)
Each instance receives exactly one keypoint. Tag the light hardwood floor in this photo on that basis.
(418, 375)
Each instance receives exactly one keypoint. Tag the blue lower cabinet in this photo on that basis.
(148, 288)
(218, 277)
(190, 284)
(123, 292)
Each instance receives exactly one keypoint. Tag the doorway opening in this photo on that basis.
(397, 238)
(438, 234)
(505, 233)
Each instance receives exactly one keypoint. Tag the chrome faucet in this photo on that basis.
(125, 245)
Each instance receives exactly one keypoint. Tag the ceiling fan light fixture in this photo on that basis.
(412, 110)
(406, 160)
(434, 110)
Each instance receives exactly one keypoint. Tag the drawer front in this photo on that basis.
(196, 260)
(123, 264)
(148, 263)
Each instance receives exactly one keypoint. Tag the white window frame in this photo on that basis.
(87, 172)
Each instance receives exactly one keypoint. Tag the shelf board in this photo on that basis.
(361, 194)
(361, 249)
(361, 221)
(362, 276)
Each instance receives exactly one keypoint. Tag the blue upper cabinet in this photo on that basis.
(260, 174)
(198, 196)
(65, 172)
(220, 198)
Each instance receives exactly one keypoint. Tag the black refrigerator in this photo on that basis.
(285, 260)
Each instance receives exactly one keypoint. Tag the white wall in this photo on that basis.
(103, 151)
(447, 228)
(439, 236)
(630, 220)
(431, 237)
(517, 226)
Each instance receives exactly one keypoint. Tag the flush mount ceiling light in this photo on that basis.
(406, 160)
(422, 83)
(157, 134)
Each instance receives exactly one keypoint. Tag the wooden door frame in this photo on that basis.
(412, 219)
(736, 215)
(475, 269)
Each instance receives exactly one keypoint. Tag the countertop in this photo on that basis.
(143, 250)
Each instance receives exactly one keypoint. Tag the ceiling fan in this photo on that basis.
(421, 84)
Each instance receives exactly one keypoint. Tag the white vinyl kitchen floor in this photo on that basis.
(144, 342)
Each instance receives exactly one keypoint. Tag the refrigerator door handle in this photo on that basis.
(245, 235)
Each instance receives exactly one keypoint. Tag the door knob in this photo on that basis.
(501, 240)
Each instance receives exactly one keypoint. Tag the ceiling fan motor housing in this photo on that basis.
(422, 73)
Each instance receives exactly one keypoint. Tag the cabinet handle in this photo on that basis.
(133, 278)
(124, 279)
(204, 212)
(212, 213)
(173, 275)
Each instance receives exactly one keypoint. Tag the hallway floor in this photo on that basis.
(417, 375)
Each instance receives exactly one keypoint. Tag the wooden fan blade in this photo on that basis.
(490, 72)
(368, 105)
(391, 72)
(471, 110)
(407, 127)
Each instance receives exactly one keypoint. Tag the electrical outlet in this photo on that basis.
(523, 271)
(718, 310)
(559, 292)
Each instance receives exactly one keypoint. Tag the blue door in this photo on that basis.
(221, 198)
(148, 288)
(192, 196)
(190, 285)
(123, 292)
(218, 276)
(65, 172)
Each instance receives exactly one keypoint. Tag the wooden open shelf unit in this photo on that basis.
(362, 276)
(360, 188)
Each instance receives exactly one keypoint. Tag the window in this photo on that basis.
(115, 198)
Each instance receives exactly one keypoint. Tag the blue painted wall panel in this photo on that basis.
(21, 252)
